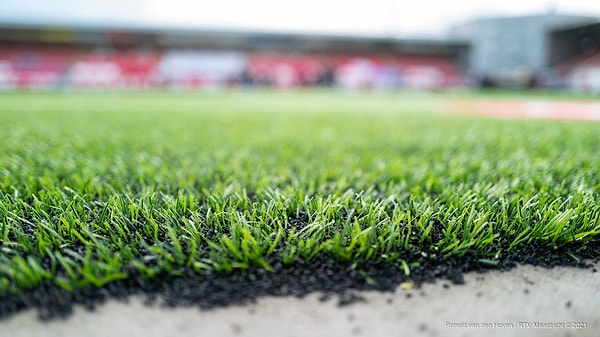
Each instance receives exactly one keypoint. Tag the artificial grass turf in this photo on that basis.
(98, 190)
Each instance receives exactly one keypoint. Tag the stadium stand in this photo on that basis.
(286, 70)
(193, 69)
(34, 66)
(582, 73)
(575, 55)
(110, 69)
(429, 72)
(93, 59)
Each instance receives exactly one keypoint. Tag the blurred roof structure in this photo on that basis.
(168, 37)
(502, 45)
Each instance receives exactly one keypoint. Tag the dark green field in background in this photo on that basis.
(96, 187)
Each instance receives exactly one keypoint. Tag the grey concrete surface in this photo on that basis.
(491, 304)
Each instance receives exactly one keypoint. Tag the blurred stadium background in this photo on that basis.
(549, 50)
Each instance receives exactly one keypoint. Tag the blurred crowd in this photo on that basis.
(50, 67)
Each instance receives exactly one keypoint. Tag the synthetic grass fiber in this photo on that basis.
(140, 190)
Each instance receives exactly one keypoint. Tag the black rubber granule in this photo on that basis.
(322, 274)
